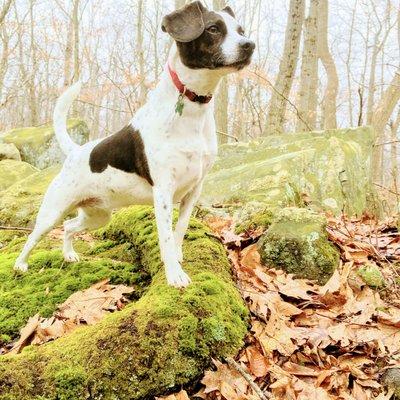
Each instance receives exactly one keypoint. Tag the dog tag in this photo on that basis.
(179, 105)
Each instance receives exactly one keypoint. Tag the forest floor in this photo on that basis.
(305, 342)
(310, 342)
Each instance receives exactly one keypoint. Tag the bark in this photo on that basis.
(221, 98)
(140, 52)
(4, 11)
(68, 54)
(287, 68)
(309, 72)
(75, 21)
(380, 118)
(331, 91)
(32, 74)
(394, 127)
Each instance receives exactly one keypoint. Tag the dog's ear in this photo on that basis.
(185, 24)
(229, 10)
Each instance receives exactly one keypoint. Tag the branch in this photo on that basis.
(227, 134)
(233, 364)
(14, 228)
(5, 10)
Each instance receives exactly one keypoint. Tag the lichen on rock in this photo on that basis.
(297, 243)
(164, 339)
(38, 145)
(372, 276)
(20, 202)
(331, 167)
(9, 151)
(12, 171)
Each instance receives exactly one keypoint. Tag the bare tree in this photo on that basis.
(5, 9)
(287, 67)
(307, 99)
(324, 54)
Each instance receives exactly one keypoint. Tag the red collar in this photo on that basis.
(192, 96)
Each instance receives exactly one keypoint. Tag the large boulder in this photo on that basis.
(21, 199)
(38, 145)
(329, 169)
(12, 171)
(163, 340)
(296, 242)
(9, 151)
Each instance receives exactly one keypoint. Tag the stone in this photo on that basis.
(297, 243)
(328, 169)
(12, 171)
(9, 151)
(38, 145)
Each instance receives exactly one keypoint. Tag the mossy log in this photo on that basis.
(163, 340)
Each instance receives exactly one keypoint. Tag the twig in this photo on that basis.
(232, 363)
(389, 190)
(15, 228)
(227, 134)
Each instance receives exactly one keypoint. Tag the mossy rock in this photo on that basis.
(20, 202)
(163, 340)
(8, 151)
(391, 380)
(12, 171)
(297, 243)
(331, 167)
(252, 216)
(372, 276)
(38, 145)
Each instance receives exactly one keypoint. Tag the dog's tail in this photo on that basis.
(63, 104)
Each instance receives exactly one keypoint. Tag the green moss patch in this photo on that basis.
(297, 243)
(372, 276)
(12, 171)
(164, 339)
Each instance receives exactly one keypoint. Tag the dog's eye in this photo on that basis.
(241, 32)
(213, 29)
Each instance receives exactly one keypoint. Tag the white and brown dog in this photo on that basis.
(162, 156)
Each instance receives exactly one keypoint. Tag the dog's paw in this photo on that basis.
(178, 278)
(21, 266)
(71, 256)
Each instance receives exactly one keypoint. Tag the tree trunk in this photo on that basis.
(221, 98)
(32, 73)
(331, 91)
(4, 10)
(381, 116)
(287, 68)
(140, 52)
(309, 72)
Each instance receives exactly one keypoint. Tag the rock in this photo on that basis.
(12, 171)
(253, 215)
(391, 379)
(20, 201)
(163, 340)
(331, 167)
(297, 243)
(38, 145)
(372, 276)
(8, 151)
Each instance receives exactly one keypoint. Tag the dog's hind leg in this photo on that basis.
(88, 218)
(51, 212)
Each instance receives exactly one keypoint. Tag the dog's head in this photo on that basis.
(208, 39)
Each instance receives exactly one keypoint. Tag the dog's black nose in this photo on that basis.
(248, 46)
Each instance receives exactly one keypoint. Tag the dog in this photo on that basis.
(162, 156)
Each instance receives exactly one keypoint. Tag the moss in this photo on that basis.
(297, 243)
(38, 145)
(163, 340)
(20, 202)
(50, 281)
(9, 152)
(372, 276)
(12, 171)
(252, 216)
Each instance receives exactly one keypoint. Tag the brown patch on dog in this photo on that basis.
(125, 151)
(89, 202)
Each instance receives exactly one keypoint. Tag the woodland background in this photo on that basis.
(346, 51)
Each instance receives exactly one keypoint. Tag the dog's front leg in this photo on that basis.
(163, 199)
(185, 211)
